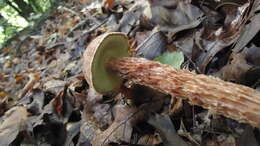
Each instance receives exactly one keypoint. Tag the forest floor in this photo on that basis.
(45, 99)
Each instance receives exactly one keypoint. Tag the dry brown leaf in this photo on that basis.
(167, 130)
(240, 64)
(149, 140)
(3, 94)
(14, 121)
(108, 4)
(121, 128)
(247, 138)
(227, 141)
(33, 78)
(19, 78)
(5, 50)
(235, 69)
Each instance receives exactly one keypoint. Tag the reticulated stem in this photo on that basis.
(228, 99)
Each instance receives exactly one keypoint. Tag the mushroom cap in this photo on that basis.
(96, 56)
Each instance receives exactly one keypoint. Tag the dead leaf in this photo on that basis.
(6, 50)
(62, 104)
(247, 34)
(108, 4)
(33, 78)
(129, 20)
(247, 138)
(3, 94)
(53, 85)
(149, 140)
(167, 130)
(121, 128)
(153, 46)
(209, 43)
(252, 55)
(98, 111)
(72, 130)
(19, 78)
(175, 16)
(14, 121)
(228, 141)
(239, 64)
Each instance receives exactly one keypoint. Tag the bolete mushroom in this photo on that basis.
(108, 52)
(97, 55)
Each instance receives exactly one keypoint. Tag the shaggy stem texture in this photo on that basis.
(231, 100)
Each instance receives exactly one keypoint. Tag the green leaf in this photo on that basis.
(171, 58)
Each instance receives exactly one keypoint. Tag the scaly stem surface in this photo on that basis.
(228, 99)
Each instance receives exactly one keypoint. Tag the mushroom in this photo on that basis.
(106, 64)
(97, 55)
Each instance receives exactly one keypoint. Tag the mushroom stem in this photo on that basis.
(228, 99)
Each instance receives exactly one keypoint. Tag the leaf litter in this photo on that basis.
(45, 100)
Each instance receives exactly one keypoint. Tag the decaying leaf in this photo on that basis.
(247, 34)
(227, 141)
(153, 46)
(108, 4)
(121, 128)
(97, 110)
(33, 78)
(3, 94)
(172, 14)
(129, 20)
(13, 122)
(247, 138)
(240, 64)
(209, 48)
(149, 140)
(235, 69)
(53, 85)
(167, 130)
(73, 129)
